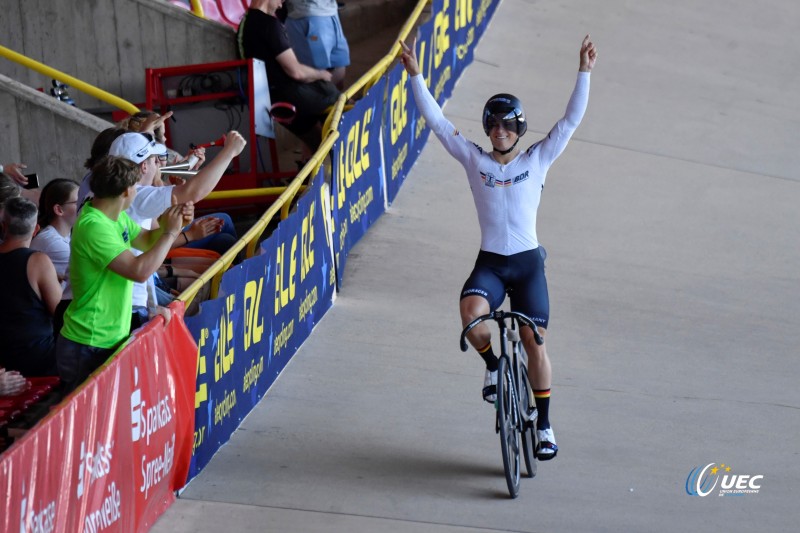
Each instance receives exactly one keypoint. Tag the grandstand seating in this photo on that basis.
(182, 4)
(232, 11)
(23, 410)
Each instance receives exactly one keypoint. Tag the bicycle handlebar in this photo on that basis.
(500, 316)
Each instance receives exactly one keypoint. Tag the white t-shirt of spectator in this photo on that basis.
(148, 204)
(56, 246)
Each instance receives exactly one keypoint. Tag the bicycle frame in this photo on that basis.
(513, 418)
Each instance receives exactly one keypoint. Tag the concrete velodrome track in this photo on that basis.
(672, 227)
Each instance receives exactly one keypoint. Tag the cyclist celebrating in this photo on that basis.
(506, 186)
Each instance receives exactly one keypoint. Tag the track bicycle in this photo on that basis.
(516, 413)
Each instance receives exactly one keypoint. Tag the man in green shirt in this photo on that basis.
(103, 268)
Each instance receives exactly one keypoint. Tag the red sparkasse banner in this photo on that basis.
(112, 455)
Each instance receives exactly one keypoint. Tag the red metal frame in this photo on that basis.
(157, 100)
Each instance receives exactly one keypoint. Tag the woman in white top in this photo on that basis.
(58, 210)
(57, 213)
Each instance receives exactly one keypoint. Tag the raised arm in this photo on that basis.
(556, 141)
(204, 181)
(455, 143)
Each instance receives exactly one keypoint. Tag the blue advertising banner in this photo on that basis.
(442, 48)
(358, 173)
(483, 14)
(267, 306)
(445, 46)
(402, 140)
(463, 36)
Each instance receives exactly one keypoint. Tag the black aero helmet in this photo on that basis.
(505, 108)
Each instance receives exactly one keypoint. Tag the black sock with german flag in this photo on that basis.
(542, 399)
(488, 356)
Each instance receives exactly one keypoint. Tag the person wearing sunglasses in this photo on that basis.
(58, 210)
(506, 185)
(141, 120)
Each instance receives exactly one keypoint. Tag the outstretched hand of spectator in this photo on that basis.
(153, 122)
(13, 170)
(188, 213)
(203, 227)
(408, 57)
(588, 55)
(172, 219)
(12, 383)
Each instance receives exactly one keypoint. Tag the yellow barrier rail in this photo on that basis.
(197, 8)
(250, 240)
(82, 86)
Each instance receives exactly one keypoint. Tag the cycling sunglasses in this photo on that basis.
(509, 121)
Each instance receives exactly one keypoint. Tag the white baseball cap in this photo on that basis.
(136, 147)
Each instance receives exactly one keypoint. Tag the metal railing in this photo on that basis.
(82, 86)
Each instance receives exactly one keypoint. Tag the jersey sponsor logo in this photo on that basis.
(490, 181)
(125, 235)
(479, 292)
(520, 178)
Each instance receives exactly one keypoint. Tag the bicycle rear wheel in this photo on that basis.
(507, 417)
(528, 432)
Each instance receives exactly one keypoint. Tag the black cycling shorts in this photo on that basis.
(521, 276)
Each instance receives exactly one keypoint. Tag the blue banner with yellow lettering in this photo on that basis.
(404, 133)
(358, 173)
(484, 10)
(266, 307)
(440, 63)
(445, 46)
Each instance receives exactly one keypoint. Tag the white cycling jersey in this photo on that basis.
(506, 196)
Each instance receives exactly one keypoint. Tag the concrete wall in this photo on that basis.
(51, 137)
(107, 43)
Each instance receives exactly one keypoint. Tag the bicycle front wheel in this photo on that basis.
(507, 417)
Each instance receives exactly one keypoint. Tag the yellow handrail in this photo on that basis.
(245, 193)
(197, 8)
(50, 72)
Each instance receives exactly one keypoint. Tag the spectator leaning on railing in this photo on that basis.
(102, 269)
